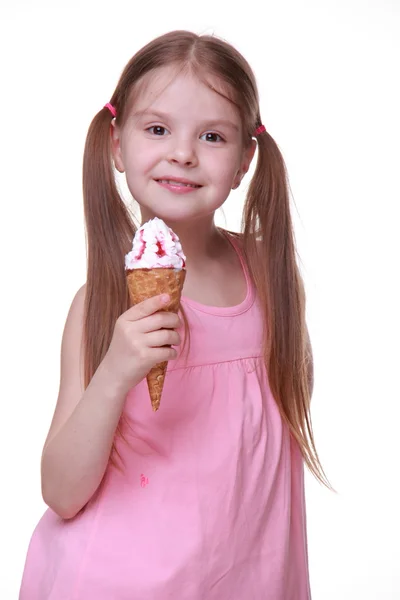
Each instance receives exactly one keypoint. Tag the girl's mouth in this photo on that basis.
(174, 183)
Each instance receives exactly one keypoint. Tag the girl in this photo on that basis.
(205, 498)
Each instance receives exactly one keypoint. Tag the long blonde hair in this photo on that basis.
(267, 231)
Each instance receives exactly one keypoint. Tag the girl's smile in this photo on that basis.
(178, 185)
(177, 188)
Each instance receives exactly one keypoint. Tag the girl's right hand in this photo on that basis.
(142, 338)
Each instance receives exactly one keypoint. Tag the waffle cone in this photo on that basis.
(144, 284)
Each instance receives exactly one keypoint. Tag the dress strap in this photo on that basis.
(239, 251)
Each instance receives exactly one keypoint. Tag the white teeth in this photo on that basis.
(172, 182)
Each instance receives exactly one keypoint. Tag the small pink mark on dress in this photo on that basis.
(144, 481)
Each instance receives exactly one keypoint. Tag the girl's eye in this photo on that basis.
(157, 130)
(211, 137)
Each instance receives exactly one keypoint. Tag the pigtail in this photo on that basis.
(109, 232)
(269, 245)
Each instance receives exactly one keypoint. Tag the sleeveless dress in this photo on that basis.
(209, 502)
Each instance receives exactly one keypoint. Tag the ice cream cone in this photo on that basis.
(146, 283)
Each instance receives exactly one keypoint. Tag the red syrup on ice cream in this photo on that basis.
(160, 253)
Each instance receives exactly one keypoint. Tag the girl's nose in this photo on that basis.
(183, 152)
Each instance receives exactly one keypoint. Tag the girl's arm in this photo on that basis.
(77, 449)
(79, 442)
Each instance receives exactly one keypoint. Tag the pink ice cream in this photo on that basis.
(155, 245)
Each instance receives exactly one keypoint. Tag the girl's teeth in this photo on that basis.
(171, 182)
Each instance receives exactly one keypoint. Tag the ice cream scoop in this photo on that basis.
(155, 246)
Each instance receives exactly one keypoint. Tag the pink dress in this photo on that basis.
(210, 505)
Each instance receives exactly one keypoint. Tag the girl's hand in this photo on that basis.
(142, 338)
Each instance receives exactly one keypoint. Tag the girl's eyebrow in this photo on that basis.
(205, 123)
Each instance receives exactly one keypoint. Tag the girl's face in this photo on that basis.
(179, 130)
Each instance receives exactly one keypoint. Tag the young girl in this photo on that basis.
(205, 498)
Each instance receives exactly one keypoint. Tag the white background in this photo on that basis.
(328, 73)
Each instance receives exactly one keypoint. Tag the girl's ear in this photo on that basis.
(116, 147)
(247, 157)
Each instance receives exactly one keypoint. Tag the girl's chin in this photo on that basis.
(174, 213)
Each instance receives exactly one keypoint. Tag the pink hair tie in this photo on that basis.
(259, 130)
(111, 109)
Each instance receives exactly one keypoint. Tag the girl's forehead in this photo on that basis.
(174, 87)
